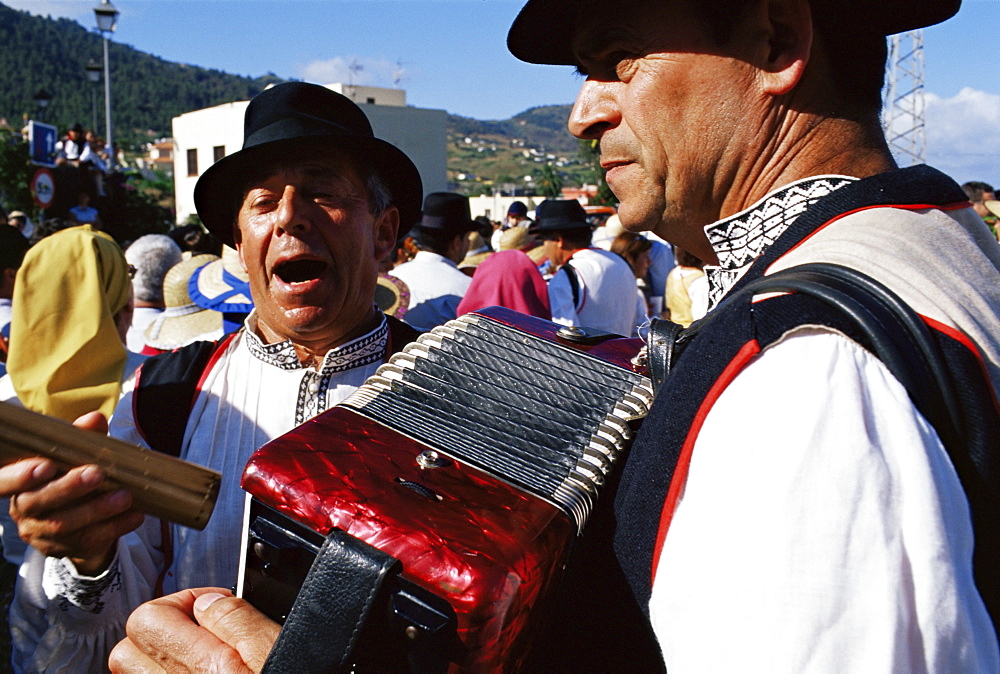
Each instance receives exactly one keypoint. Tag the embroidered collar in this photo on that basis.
(739, 239)
(365, 350)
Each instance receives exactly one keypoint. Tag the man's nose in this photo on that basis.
(595, 110)
(292, 212)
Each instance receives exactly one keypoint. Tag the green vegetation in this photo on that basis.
(498, 155)
(50, 54)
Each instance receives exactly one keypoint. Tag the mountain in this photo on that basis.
(148, 91)
(51, 54)
(487, 154)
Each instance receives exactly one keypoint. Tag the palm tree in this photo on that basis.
(549, 183)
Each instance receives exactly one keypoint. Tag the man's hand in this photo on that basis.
(67, 516)
(201, 630)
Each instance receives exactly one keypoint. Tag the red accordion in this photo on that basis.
(473, 457)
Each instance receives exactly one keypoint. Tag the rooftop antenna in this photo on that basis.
(904, 121)
(397, 74)
(354, 69)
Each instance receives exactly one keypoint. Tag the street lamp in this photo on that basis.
(94, 70)
(42, 100)
(107, 21)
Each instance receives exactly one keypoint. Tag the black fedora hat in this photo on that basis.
(553, 215)
(296, 115)
(543, 30)
(447, 211)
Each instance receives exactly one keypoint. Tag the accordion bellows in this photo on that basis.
(473, 456)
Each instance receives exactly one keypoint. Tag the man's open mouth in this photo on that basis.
(299, 271)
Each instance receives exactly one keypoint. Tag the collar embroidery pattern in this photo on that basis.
(363, 351)
(742, 238)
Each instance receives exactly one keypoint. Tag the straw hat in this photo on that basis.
(521, 238)
(392, 296)
(222, 285)
(183, 321)
(993, 206)
(479, 250)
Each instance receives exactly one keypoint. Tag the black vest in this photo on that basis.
(733, 333)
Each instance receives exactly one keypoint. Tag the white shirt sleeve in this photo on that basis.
(821, 528)
(561, 300)
(61, 621)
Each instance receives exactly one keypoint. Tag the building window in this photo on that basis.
(218, 152)
(370, 101)
(193, 162)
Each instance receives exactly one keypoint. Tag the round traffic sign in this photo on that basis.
(43, 188)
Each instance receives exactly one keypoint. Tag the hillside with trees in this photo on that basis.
(531, 152)
(51, 54)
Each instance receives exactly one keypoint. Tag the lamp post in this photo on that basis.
(42, 100)
(107, 21)
(94, 70)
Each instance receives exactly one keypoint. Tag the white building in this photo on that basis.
(202, 137)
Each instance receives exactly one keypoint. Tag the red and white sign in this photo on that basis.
(43, 188)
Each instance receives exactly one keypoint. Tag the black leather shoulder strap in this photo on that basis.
(574, 282)
(332, 607)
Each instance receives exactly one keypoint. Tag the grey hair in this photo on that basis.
(152, 256)
(379, 196)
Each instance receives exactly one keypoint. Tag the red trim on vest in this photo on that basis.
(167, 546)
(964, 340)
(166, 537)
(216, 355)
(904, 207)
(746, 353)
(135, 412)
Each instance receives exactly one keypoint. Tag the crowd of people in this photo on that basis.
(787, 504)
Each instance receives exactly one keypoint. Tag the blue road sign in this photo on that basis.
(43, 139)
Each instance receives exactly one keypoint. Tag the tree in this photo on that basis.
(549, 182)
(15, 173)
(590, 154)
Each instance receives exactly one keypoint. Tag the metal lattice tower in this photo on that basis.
(903, 119)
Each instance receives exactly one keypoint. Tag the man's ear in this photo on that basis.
(787, 40)
(386, 229)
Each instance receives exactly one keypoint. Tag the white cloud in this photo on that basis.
(963, 134)
(70, 9)
(353, 70)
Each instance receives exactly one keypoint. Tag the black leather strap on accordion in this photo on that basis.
(336, 597)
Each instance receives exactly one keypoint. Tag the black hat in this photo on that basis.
(543, 31)
(296, 115)
(13, 246)
(447, 211)
(517, 208)
(554, 215)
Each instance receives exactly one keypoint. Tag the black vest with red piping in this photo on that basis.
(718, 349)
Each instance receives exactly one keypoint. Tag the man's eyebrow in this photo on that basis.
(595, 43)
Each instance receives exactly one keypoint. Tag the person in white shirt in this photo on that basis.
(591, 288)
(312, 202)
(436, 284)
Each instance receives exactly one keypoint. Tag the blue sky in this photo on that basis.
(451, 54)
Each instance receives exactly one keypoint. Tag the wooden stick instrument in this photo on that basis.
(161, 485)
